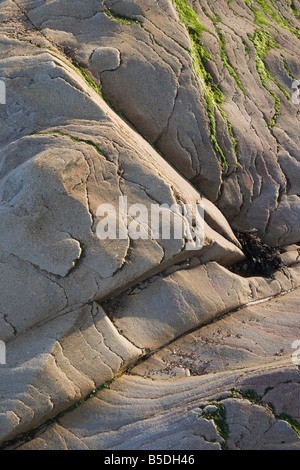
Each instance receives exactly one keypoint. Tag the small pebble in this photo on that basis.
(210, 409)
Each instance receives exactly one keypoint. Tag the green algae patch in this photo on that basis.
(212, 94)
(263, 43)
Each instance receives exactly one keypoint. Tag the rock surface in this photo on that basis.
(139, 414)
(176, 103)
(238, 144)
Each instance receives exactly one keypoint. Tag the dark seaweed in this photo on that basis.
(261, 258)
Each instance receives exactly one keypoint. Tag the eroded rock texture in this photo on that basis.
(163, 102)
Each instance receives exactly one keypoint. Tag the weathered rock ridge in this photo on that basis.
(174, 103)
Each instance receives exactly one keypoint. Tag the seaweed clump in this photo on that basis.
(261, 258)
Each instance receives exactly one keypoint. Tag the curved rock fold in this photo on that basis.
(132, 343)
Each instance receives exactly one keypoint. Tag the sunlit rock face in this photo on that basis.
(109, 109)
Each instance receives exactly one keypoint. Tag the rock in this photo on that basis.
(55, 172)
(112, 111)
(187, 299)
(253, 427)
(210, 409)
(241, 150)
(261, 333)
(166, 415)
(105, 58)
(58, 176)
(52, 367)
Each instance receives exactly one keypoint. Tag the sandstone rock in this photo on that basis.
(162, 413)
(52, 367)
(261, 333)
(105, 58)
(158, 88)
(56, 169)
(252, 427)
(159, 311)
(53, 181)
(106, 100)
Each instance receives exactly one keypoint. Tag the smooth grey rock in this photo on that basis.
(54, 179)
(52, 367)
(169, 415)
(162, 310)
(86, 83)
(105, 58)
(156, 87)
(262, 333)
